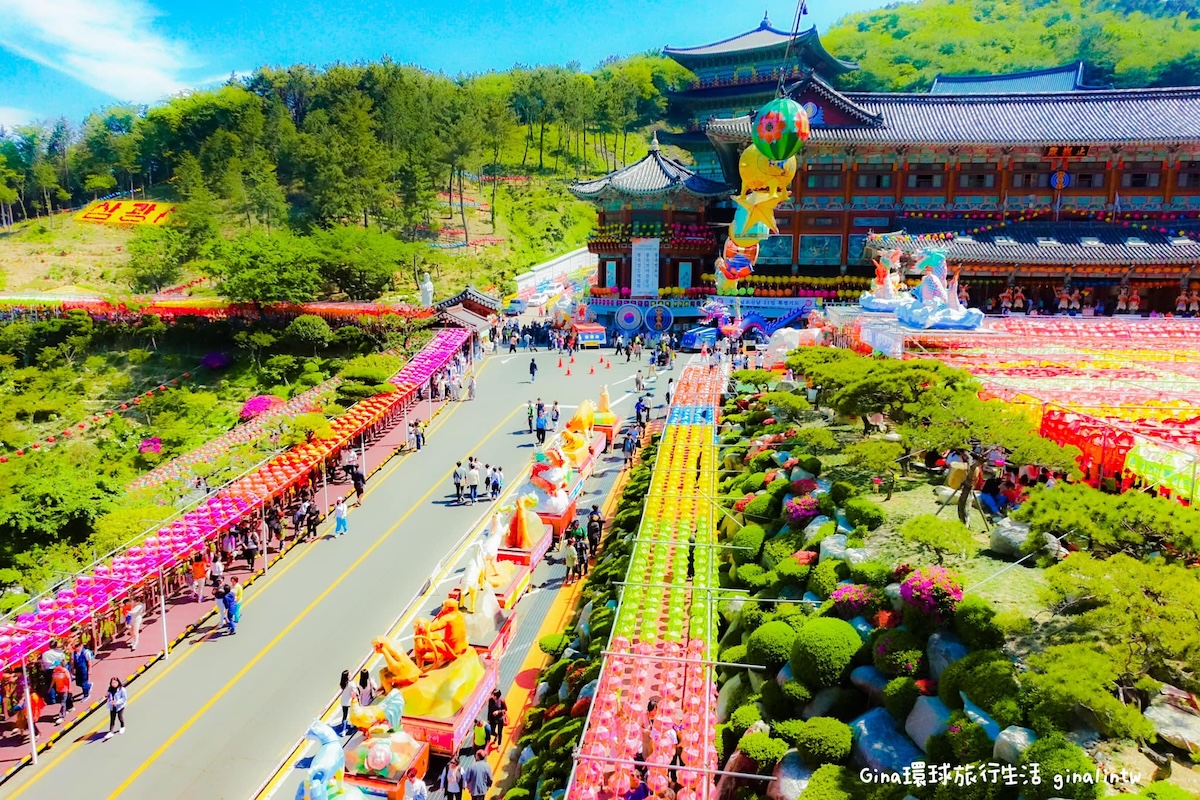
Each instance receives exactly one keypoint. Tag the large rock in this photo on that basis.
(870, 680)
(813, 599)
(791, 778)
(785, 673)
(843, 524)
(798, 474)
(833, 547)
(1174, 724)
(821, 704)
(927, 718)
(725, 695)
(892, 593)
(1008, 537)
(944, 648)
(879, 745)
(856, 555)
(864, 628)
(1012, 742)
(980, 717)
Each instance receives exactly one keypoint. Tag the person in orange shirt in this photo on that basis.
(199, 573)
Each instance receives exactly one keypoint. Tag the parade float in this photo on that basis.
(559, 470)
(516, 540)
(607, 423)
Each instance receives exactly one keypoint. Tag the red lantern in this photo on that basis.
(20, 452)
(187, 374)
(136, 401)
(37, 446)
(124, 407)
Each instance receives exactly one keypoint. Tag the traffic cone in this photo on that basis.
(591, 371)
(560, 362)
(568, 371)
(572, 359)
(608, 364)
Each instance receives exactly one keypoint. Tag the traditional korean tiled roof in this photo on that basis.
(464, 317)
(654, 174)
(1067, 78)
(1033, 244)
(468, 296)
(764, 37)
(1111, 115)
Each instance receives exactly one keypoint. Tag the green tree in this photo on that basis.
(269, 269)
(360, 262)
(309, 330)
(156, 257)
(943, 538)
(348, 168)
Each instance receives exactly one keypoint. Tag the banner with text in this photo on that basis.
(644, 280)
(126, 212)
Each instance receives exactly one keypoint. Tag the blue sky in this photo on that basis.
(67, 57)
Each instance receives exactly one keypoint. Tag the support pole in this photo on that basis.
(162, 616)
(325, 486)
(29, 716)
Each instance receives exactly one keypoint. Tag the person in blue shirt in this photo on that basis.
(116, 699)
(230, 603)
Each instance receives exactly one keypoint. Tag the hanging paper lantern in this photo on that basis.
(780, 129)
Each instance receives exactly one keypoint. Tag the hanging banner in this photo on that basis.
(610, 274)
(685, 274)
(644, 280)
(126, 212)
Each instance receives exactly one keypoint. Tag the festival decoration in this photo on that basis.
(760, 173)
(888, 290)
(383, 717)
(525, 526)
(780, 129)
(326, 769)
(937, 304)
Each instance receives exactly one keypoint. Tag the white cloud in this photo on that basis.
(106, 44)
(12, 117)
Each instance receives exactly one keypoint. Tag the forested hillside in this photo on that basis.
(1126, 43)
(286, 153)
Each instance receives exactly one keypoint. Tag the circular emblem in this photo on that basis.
(1060, 180)
(658, 318)
(629, 317)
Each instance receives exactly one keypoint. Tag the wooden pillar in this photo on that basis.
(847, 202)
(1114, 176)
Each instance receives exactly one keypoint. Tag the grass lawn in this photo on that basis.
(63, 254)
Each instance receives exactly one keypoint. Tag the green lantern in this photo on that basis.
(780, 129)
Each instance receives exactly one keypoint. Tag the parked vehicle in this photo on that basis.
(515, 307)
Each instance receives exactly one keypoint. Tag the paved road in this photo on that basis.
(217, 719)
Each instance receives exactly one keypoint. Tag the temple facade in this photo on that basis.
(1029, 179)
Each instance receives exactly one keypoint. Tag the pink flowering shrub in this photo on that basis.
(855, 600)
(934, 591)
(150, 445)
(800, 510)
(804, 486)
(258, 405)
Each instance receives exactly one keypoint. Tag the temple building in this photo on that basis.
(737, 75)
(1042, 178)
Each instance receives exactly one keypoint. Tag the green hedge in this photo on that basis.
(872, 573)
(1054, 755)
(831, 782)
(747, 543)
(841, 491)
(823, 651)
(744, 717)
(763, 750)
(897, 652)
(989, 678)
(899, 697)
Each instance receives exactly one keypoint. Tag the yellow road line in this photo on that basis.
(272, 576)
(318, 600)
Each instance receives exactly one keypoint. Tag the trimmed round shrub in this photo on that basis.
(933, 591)
(744, 717)
(841, 491)
(899, 697)
(974, 620)
(872, 573)
(824, 740)
(897, 652)
(1054, 755)
(763, 461)
(826, 576)
(762, 750)
(968, 740)
(758, 508)
(751, 482)
(793, 572)
(797, 693)
(757, 582)
(856, 599)
(789, 730)
(823, 650)
(735, 654)
(810, 464)
(825, 505)
(831, 782)
(554, 644)
(774, 705)
(860, 511)
(751, 616)
(747, 543)
(771, 645)
(749, 573)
